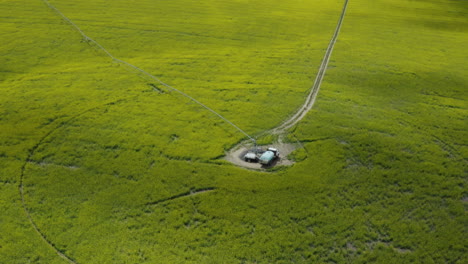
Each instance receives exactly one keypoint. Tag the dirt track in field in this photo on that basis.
(236, 154)
(310, 98)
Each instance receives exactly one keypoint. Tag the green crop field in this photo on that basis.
(105, 165)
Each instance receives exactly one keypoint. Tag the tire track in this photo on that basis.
(182, 195)
(311, 97)
(140, 70)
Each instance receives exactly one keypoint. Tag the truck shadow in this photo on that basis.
(272, 164)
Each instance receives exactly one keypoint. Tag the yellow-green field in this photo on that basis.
(113, 171)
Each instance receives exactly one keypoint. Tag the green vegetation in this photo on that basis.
(110, 164)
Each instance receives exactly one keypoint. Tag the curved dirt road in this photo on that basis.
(234, 154)
(310, 99)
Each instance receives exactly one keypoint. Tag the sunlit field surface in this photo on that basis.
(116, 168)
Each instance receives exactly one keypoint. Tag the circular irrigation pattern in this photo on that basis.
(70, 169)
